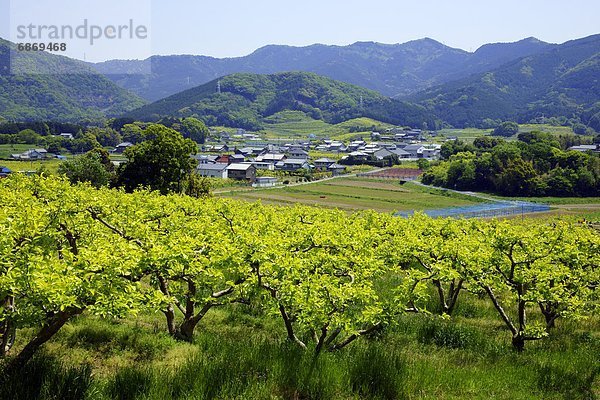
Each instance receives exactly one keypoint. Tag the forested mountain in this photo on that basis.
(564, 81)
(245, 99)
(49, 87)
(391, 69)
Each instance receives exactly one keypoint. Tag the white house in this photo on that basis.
(212, 170)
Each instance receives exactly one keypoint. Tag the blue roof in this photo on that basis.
(5, 170)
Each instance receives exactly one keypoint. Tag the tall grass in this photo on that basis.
(239, 353)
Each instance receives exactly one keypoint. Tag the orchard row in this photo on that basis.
(330, 277)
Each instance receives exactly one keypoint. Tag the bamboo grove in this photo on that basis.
(329, 277)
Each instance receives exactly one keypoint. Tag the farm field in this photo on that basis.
(298, 125)
(355, 194)
(50, 166)
(6, 150)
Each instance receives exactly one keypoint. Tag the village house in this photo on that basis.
(268, 166)
(292, 165)
(336, 169)
(212, 170)
(298, 154)
(415, 150)
(242, 172)
(205, 159)
(35, 154)
(121, 147)
(586, 147)
(219, 148)
(237, 158)
(402, 154)
(323, 163)
(250, 151)
(271, 158)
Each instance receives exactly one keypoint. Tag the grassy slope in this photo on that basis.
(241, 354)
(298, 125)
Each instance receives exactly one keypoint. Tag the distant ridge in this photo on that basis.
(391, 69)
(563, 81)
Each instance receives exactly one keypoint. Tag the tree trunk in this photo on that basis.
(453, 296)
(518, 343)
(550, 320)
(7, 334)
(187, 327)
(186, 331)
(43, 335)
(7, 329)
(550, 314)
(170, 315)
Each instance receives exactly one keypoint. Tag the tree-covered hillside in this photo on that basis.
(246, 99)
(564, 81)
(46, 87)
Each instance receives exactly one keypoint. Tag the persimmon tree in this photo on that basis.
(319, 273)
(56, 263)
(570, 286)
(197, 262)
(190, 254)
(536, 264)
(436, 251)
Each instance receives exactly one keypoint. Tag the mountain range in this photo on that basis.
(394, 70)
(410, 83)
(50, 87)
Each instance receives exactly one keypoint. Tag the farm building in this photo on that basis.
(242, 172)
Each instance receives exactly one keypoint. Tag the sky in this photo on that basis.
(229, 28)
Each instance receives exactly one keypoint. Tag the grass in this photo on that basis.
(6, 150)
(240, 353)
(298, 125)
(24, 166)
(466, 135)
(355, 194)
(470, 134)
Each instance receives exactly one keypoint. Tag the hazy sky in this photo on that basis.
(227, 28)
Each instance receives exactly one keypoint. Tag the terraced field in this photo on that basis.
(354, 194)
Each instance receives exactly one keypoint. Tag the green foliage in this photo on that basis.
(506, 129)
(94, 168)
(194, 129)
(326, 278)
(160, 163)
(28, 136)
(534, 166)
